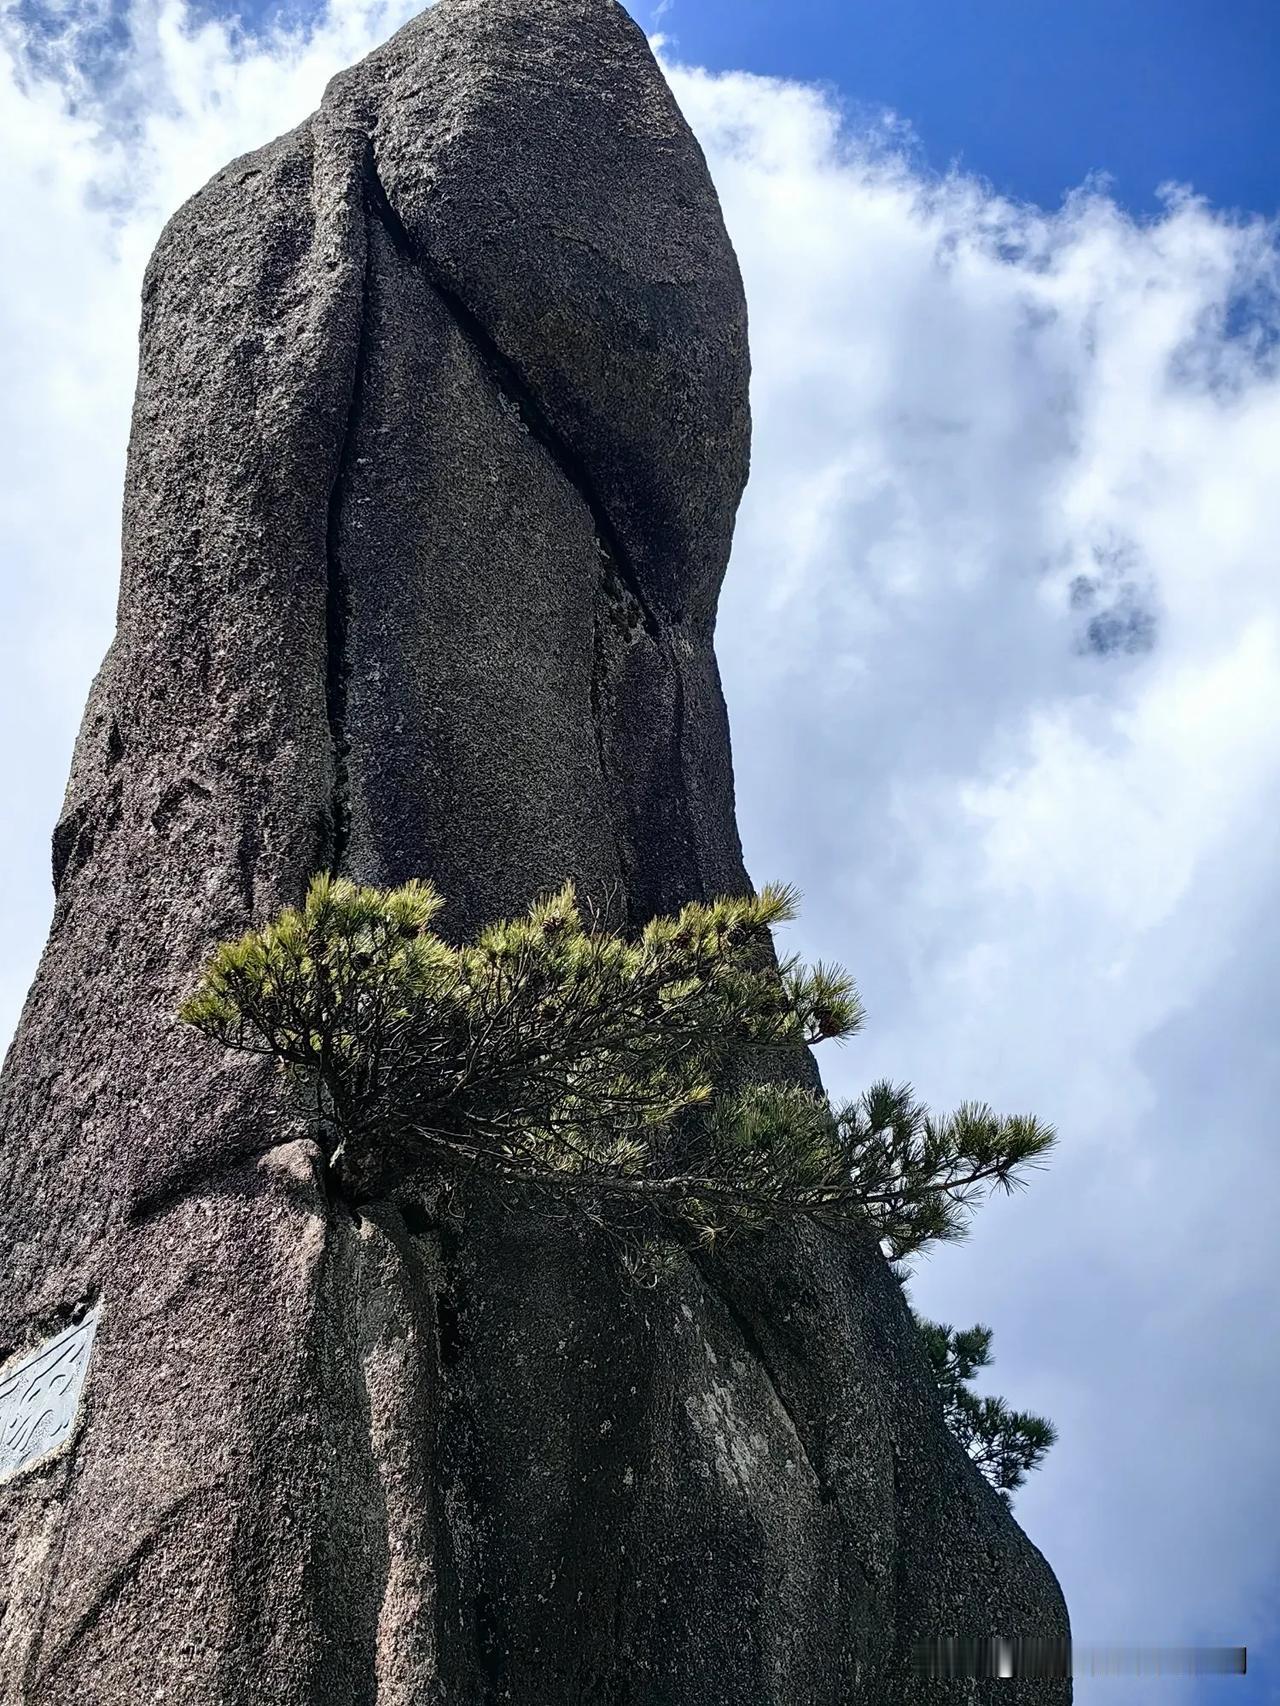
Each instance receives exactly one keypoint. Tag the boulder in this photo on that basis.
(440, 429)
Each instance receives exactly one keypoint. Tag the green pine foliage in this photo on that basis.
(1005, 1444)
(557, 1060)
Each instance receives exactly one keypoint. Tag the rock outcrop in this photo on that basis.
(440, 429)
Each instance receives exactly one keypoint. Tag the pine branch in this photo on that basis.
(1004, 1445)
(575, 1063)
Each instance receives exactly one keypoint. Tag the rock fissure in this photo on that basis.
(337, 590)
(599, 674)
(620, 601)
(518, 395)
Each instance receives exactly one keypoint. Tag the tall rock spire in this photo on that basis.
(440, 429)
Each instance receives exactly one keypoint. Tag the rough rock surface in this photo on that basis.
(440, 429)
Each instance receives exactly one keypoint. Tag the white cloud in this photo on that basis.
(983, 434)
(1001, 642)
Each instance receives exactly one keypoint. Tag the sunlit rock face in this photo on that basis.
(440, 430)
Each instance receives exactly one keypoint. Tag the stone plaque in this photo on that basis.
(40, 1395)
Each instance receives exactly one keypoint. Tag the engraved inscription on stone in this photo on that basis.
(40, 1395)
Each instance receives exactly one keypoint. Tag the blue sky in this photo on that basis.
(1034, 94)
(1000, 638)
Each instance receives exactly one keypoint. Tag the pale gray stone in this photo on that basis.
(40, 1395)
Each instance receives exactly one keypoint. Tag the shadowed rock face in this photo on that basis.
(440, 430)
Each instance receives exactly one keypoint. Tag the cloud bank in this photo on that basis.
(1001, 641)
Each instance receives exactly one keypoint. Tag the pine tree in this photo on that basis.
(1005, 1444)
(555, 1059)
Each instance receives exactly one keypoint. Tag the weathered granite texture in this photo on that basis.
(440, 429)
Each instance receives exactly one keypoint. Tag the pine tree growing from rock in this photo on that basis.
(1005, 1444)
(568, 1060)
(441, 425)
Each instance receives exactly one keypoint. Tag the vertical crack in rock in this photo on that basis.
(599, 665)
(517, 393)
(472, 1655)
(620, 596)
(337, 590)
(900, 1636)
